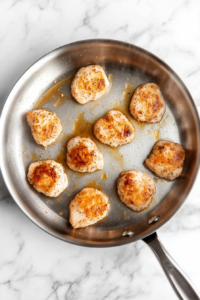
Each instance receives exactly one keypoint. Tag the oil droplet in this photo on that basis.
(117, 156)
(94, 184)
(104, 176)
(128, 92)
(68, 194)
(53, 93)
(24, 150)
(48, 201)
(148, 131)
(156, 134)
(60, 213)
(61, 100)
(124, 215)
(82, 127)
(59, 200)
(34, 156)
(61, 158)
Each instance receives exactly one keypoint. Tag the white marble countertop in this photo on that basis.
(33, 264)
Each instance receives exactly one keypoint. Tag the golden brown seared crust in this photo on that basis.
(44, 176)
(147, 104)
(88, 207)
(135, 189)
(47, 177)
(45, 126)
(83, 155)
(166, 159)
(90, 83)
(114, 129)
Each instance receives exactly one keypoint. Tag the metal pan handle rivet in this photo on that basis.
(128, 233)
(153, 220)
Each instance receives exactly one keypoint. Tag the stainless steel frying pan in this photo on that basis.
(128, 64)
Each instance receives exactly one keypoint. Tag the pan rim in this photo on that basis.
(10, 186)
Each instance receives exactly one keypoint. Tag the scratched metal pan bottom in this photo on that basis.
(129, 66)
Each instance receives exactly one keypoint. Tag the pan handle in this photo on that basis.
(178, 280)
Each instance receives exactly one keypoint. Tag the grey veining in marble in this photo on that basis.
(34, 265)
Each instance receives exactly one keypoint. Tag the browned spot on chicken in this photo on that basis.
(127, 131)
(44, 177)
(135, 189)
(83, 155)
(47, 177)
(88, 207)
(100, 84)
(93, 207)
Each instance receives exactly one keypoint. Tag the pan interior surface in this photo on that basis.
(127, 67)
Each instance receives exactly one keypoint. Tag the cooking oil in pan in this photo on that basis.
(79, 120)
(94, 184)
(55, 93)
(61, 158)
(104, 176)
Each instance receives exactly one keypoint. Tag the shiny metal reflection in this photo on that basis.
(128, 233)
(125, 62)
(153, 220)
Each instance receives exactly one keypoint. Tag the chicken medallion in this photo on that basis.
(47, 177)
(45, 126)
(147, 104)
(114, 129)
(88, 207)
(166, 160)
(135, 189)
(83, 155)
(90, 83)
